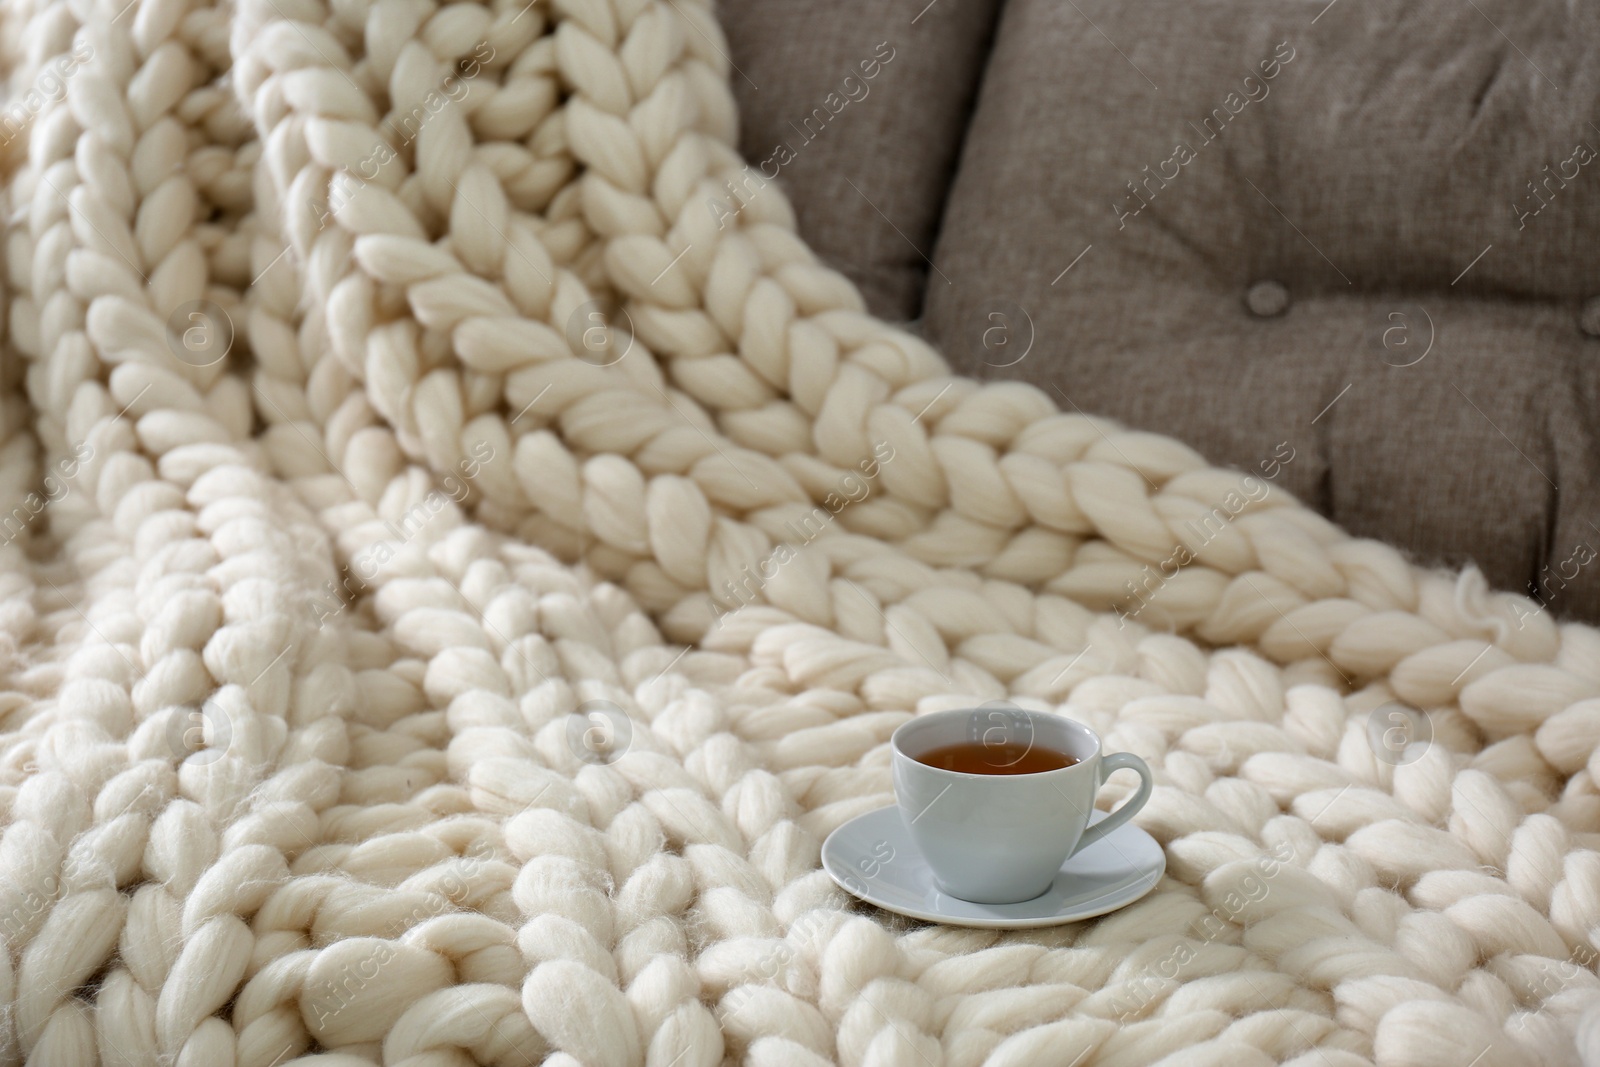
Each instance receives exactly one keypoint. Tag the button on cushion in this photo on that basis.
(1267, 300)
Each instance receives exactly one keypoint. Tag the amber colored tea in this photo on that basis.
(975, 757)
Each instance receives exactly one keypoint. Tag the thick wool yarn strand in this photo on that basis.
(390, 852)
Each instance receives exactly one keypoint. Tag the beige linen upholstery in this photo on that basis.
(1380, 185)
(869, 168)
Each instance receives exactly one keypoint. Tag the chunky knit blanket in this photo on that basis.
(463, 553)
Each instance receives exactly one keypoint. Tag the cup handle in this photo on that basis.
(1118, 761)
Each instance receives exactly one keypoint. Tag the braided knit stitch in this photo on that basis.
(300, 643)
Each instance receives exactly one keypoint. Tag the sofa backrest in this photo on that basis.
(1364, 234)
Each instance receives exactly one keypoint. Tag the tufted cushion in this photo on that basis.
(868, 169)
(1349, 222)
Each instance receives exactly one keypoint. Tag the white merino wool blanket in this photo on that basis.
(454, 578)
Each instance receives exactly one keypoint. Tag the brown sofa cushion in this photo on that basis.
(872, 158)
(1315, 230)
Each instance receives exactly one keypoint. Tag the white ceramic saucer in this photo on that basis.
(873, 857)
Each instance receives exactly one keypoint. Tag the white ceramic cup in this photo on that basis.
(1002, 838)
